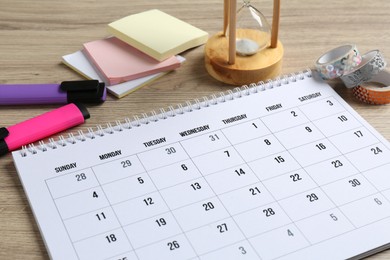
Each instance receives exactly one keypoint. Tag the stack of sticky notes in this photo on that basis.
(142, 48)
(157, 34)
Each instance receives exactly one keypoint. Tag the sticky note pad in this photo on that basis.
(80, 63)
(119, 62)
(157, 34)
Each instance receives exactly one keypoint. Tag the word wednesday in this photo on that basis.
(195, 130)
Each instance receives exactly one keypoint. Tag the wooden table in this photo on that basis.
(35, 34)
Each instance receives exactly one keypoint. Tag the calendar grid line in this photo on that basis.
(277, 131)
(359, 119)
(253, 236)
(177, 222)
(234, 124)
(328, 197)
(119, 158)
(133, 175)
(268, 155)
(378, 166)
(368, 180)
(325, 137)
(121, 179)
(343, 154)
(307, 172)
(172, 236)
(277, 201)
(152, 175)
(154, 242)
(118, 255)
(98, 234)
(176, 162)
(230, 216)
(108, 161)
(266, 204)
(369, 195)
(361, 172)
(276, 176)
(62, 221)
(73, 193)
(358, 170)
(116, 216)
(308, 246)
(234, 215)
(228, 245)
(346, 232)
(113, 204)
(146, 194)
(297, 106)
(260, 181)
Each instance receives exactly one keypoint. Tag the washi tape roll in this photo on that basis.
(376, 92)
(372, 63)
(335, 62)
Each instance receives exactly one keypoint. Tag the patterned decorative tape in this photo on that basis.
(377, 91)
(372, 63)
(337, 61)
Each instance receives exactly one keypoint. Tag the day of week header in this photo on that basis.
(234, 119)
(65, 167)
(314, 95)
(273, 107)
(155, 142)
(110, 154)
(195, 130)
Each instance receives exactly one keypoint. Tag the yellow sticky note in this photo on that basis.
(157, 34)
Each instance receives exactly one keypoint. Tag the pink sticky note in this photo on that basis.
(119, 62)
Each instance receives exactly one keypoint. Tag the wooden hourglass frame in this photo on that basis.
(222, 62)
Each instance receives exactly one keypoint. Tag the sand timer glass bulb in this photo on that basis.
(253, 32)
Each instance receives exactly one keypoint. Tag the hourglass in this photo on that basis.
(248, 49)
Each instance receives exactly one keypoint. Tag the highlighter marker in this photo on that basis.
(42, 126)
(85, 91)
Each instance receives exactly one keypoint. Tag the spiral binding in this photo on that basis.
(163, 114)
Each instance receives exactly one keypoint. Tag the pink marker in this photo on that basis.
(42, 126)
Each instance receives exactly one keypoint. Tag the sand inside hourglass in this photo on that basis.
(251, 41)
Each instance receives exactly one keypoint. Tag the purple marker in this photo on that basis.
(84, 91)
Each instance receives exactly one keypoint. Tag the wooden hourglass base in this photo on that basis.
(266, 64)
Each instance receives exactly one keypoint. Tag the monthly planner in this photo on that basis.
(284, 169)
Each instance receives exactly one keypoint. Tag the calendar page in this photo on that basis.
(292, 172)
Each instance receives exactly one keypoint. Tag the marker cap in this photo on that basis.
(3, 145)
(86, 91)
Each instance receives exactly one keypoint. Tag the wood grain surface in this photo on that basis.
(35, 34)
